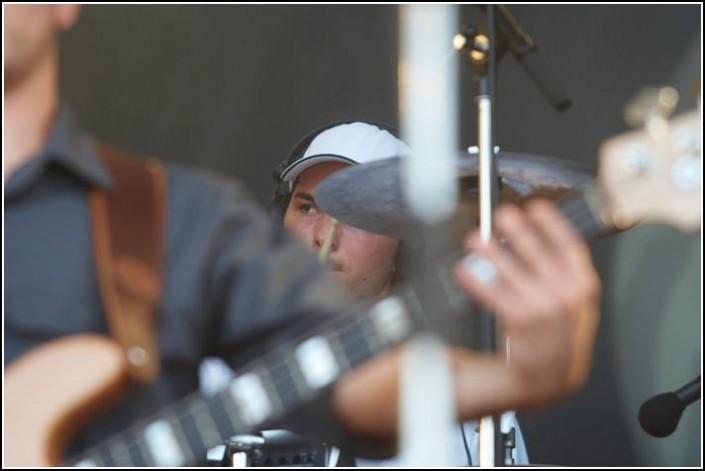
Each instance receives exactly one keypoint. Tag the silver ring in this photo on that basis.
(480, 268)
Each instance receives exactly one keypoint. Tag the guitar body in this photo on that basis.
(54, 390)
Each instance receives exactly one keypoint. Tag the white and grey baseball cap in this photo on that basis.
(353, 143)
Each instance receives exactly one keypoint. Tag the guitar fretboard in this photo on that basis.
(265, 390)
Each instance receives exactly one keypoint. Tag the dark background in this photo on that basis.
(233, 88)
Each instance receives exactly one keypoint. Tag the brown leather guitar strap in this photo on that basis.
(129, 226)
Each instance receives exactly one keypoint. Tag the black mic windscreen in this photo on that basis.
(659, 415)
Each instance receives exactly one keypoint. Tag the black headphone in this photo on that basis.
(282, 190)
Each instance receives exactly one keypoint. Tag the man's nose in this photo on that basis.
(326, 228)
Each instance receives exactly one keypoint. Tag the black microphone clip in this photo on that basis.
(525, 51)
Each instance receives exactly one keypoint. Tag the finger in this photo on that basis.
(480, 277)
(500, 283)
(572, 254)
(525, 240)
(510, 273)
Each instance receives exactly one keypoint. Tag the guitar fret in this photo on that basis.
(371, 335)
(317, 361)
(133, 454)
(248, 392)
(138, 449)
(303, 387)
(191, 434)
(89, 460)
(119, 453)
(184, 437)
(224, 414)
(265, 376)
(204, 424)
(354, 340)
(163, 444)
(391, 320)
(339, 352)
(105, 456)
(288, 381)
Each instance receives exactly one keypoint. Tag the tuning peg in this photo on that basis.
(651, 108)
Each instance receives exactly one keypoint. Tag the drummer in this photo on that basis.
(364, 263)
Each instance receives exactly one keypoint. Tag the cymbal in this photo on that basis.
(370, 196)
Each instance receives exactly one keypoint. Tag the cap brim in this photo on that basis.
(296, 168)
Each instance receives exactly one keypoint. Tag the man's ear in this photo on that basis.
(65, 15)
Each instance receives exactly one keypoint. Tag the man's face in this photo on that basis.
(363, 262)
(29, 35)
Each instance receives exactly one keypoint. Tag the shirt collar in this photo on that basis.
(68, 146)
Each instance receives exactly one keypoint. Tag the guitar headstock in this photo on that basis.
(655, 175)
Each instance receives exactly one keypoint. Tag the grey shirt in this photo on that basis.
(234, 284)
